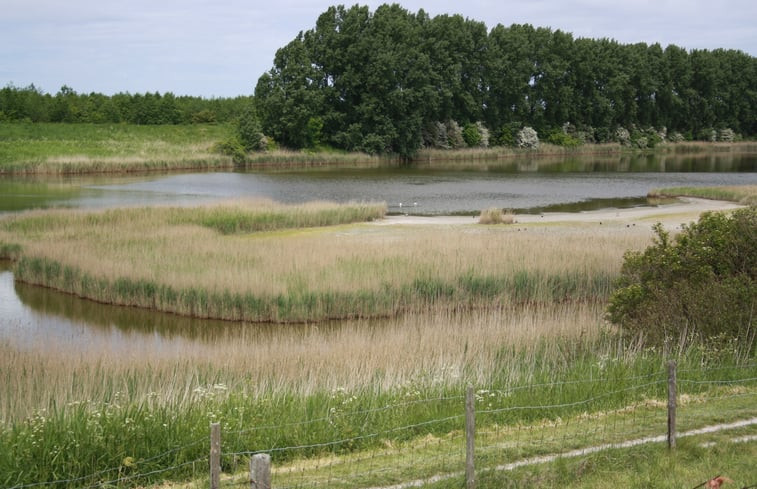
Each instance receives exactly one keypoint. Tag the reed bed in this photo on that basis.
(313, 160)
(438, 351)
(506, 152)
(67, 415)
(247, 263)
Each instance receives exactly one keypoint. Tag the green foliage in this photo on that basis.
(314, 131)
(31, 104)
(471, 135)
(644, 139)
(249, 131)
(507, 133)
(380, 81)
(699, 286)
(204, 116)
(231, 147)
(560, 138)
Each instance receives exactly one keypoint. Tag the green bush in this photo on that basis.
(699, 287)
(471, 136)
(231, 147)
(249, 131)
(560, 138)
(506, 134)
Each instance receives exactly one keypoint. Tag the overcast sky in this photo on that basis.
(219, 48)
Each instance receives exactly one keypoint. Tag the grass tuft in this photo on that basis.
(496, 216)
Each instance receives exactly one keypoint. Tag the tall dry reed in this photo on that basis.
(206, 262)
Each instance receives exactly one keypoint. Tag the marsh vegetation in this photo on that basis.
(247, 262)
(499, 307)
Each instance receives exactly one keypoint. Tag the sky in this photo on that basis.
(219, 48)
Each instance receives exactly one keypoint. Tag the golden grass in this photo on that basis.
(436, 349)
(496, 216)
(379, 266)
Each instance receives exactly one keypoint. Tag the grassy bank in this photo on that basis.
(742, 194)
(108, 148)
(248, 262)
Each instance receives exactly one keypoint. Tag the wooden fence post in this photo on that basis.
(672, 398)
(260, 471)
(470, 433)
(215, 455)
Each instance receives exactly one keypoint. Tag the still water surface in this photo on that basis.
(525, 185)
(35, 318)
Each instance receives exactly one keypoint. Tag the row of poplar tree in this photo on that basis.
(380, 81)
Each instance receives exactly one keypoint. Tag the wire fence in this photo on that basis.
(582, 417)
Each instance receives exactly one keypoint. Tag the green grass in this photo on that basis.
(742, 194)
(93, 148)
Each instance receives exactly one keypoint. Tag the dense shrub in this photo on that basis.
(726, 135)
(699, 287)
(561, 138)
(623, 136)
(471, 136)
(249, 130)
(231, 147)
(527, 138)
(506, 134)
(435, 135)
(454, 135)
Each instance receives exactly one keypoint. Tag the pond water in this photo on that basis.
(32, 317)
(523, 185)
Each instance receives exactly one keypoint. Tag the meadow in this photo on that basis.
(105, 148)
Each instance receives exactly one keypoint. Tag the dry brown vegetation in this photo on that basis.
(173, 259)
(431, 350)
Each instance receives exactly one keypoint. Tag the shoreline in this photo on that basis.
(687, 208)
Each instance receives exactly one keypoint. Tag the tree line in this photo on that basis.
(32, 104)
(395, 81)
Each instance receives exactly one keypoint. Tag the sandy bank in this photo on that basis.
(671, 215)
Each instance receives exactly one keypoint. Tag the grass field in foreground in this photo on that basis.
(148, 411)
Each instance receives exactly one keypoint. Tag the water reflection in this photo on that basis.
(37, 318)
(466, 187)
